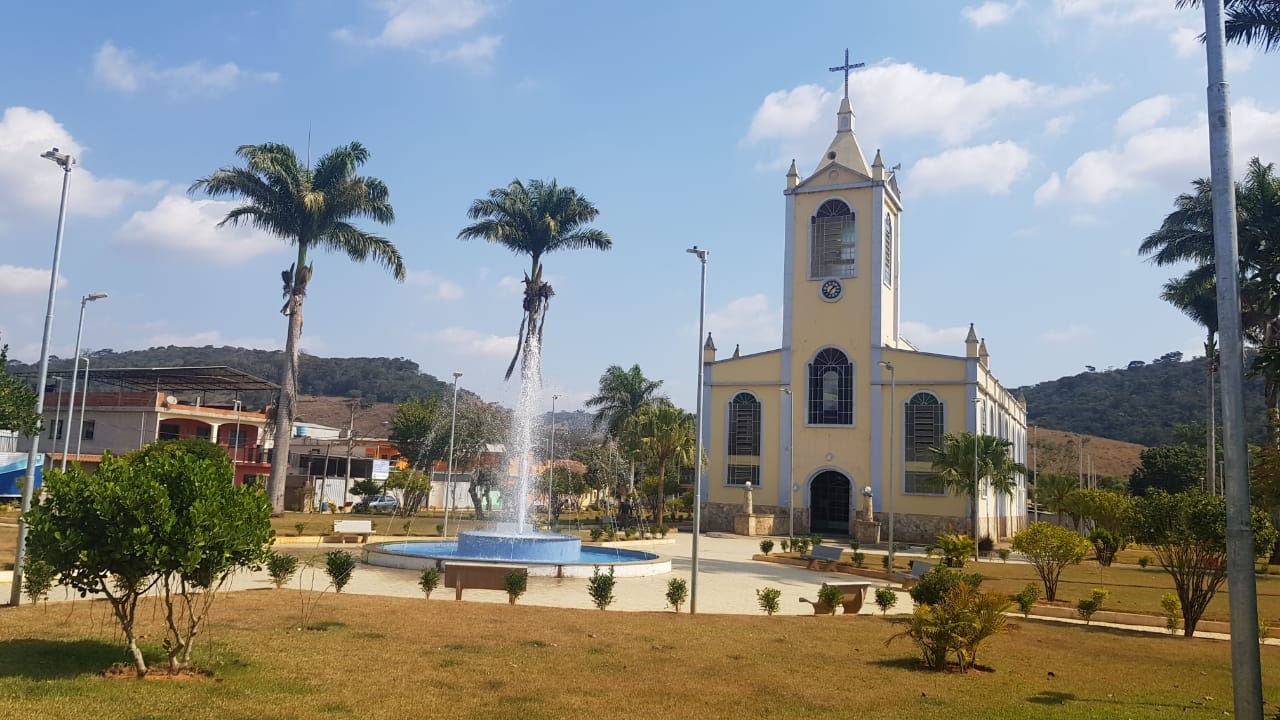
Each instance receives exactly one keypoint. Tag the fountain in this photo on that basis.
(517, 542)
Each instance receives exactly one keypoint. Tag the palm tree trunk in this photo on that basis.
(662, 486)
(288, 389)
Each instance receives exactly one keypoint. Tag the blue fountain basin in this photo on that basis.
(548, 555)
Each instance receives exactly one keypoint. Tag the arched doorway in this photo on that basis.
(829, 502)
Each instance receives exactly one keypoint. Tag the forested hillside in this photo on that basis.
(1141, 403)
(373, 379)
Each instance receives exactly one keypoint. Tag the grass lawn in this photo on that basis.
(397, 658)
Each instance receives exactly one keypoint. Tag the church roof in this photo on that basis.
(844, 148)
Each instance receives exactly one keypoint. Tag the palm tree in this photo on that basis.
(622, 394)
(1195, 294)
(1051, 490)
(1249, 22)
(666, 433)
(955, 466)
(534, 220)
(310, 209)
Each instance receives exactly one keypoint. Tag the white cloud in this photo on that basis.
(436, 286)
(748, 321)
(121, 70)
(410, 22)
(464, 341)
(474, 52)
(180, 225)
(1185, 42)
(1116, 12)
(1058, 125)
(16, 280)
(949, 341)
(29, 182)
(990, 13)
(1145, 114)
(910, 101)
(1066, 335)
(214, 338)
(1166, 158)
(510, 283)
(990, 168)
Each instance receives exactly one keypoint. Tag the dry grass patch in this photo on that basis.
(393, 658)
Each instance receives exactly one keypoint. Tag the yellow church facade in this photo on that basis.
(839, 420)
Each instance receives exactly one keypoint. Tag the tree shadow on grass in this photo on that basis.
(1051, 697)
(37, 659)
(903, 663)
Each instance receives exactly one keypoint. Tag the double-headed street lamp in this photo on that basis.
(66, 162)
(71, 410)
(893, 481)
(697, 475)
(453, 423)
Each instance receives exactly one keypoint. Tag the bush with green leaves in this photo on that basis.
(299, 528)
(1172, 611)
(886, 598)
(1144, 561)
(955, 549)
(516, 583)
(1088, 606)
(281, 567)
(858, 558)
(38, 578)
(600, 587)
(831, 596)
(1105, 545)
(801, 545)
(986, 545)
(339, 565)
(768, 599)
(935, 584)
(1026, 598)
(957, 625)
(677, 592)
(766, 546)
(429, 580)
(1003, 554)
(786, 544)
(1050, 549)
(597, 533)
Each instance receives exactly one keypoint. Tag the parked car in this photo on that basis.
(381, 503)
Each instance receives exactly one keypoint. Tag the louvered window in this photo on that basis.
(923, 430)
(744, 440)
(830, 389)
(834, 241)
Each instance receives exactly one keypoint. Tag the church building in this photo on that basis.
(835, 427)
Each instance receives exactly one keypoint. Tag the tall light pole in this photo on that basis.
(84, 403)
(66, 162)
(448, 481)
(551, 460)
(71, 408)
(235, 458)
(977, 419)
(791, 461)
(57, 416)
(697, 475)
(893, 480)
(1246, 670)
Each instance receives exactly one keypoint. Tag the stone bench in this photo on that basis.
(360, 530)
(853, 594)
(915, 572)
(478, 576)
(829, 554)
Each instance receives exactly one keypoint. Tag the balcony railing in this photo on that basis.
(248, 454)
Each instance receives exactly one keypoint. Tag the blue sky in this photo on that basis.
(1040, 141)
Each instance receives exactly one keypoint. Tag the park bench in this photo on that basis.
(915, 572)
(828, 554)
(853, 594)
(360, 530)
(477, 576)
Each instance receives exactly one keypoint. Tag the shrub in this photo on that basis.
(935, 584)
(766, 546)
(37, 578)
(429, 580)
(986, 545)
(831, 596)
(958, 624)
(339, 566)
(677, 592)
(1090, 605)
(663, 530)
(298, 528)
(1105, 545)
(596, 534)
(768, 597)
(628, 533)
(854, 545)
(1144, 561)
(1050, 549)
(600, 587)
(786, 544)
(440, 529)
(801, 545)
(884, 562)
(1026, 599)
(858, 558)
(516, 583)
(1003, 554)
(281, 568)
(1172, 607)
(955, 549)
(886, 598)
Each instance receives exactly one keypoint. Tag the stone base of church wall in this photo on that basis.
(921, 529)
(766, 519)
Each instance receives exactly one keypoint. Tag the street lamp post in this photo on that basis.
(453, 423)
(893, 481)
(66, 162)
(71, 408)
(551, 458)
(791, 461)
(57, 417)
(236, 457)
(697, 475)
(84, 403)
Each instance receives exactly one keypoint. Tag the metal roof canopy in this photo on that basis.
(218, 377)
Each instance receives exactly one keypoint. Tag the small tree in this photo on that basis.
(955, 549)
(886, 598)
(677, 592)
(429, 580)
(766, 546)
(831, 596)
(1090, 605)
(282, 568)
(1188, 534)
(365, 488)
(600, 587)
(1105, 546)
(1050, 549)
(339, 565)
(1172, 608)
(516, 583)
(935, 584)
(957, 624)
(767, 598)
(1026, 598)
(38, 578)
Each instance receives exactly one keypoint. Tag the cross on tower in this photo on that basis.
(846, 67)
